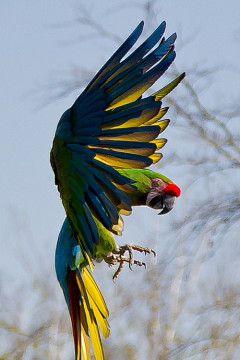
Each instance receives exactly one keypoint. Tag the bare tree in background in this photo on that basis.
(185, 306)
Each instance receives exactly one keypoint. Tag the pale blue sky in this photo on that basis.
(32, 50)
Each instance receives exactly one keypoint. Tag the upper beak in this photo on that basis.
(168, 203)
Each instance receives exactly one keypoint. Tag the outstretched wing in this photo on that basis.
(111, 127)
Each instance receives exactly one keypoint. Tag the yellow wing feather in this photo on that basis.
(163, 124)
(156, 157)
(168, 88)
(159, 115)
(159, 143)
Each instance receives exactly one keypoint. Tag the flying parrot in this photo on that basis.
(101, 147)
(109, 127)
(86, 305)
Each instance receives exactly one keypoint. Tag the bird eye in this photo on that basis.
(159, 182)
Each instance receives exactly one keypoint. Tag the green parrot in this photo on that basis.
(111, 127)
(101, 147)
(86, 305)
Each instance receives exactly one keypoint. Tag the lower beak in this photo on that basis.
(168, 203)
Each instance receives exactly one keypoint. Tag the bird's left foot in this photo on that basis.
(117, 256)
(120, 250)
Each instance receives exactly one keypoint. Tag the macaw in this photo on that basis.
(110, 127)
(86, 305)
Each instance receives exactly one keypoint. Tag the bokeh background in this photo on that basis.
(186, 304)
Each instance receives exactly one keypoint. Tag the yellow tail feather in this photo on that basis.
(93, 290)
(96, 311)
(85, 350)
(94, 333)
(101, 321)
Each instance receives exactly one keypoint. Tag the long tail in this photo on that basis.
(88, 312)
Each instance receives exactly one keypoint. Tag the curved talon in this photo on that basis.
(124, 259)
(154, 253)
(131, 247)
(121, 265)
(130, 264)
(117, 256)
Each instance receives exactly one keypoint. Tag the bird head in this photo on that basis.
(162, 194)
